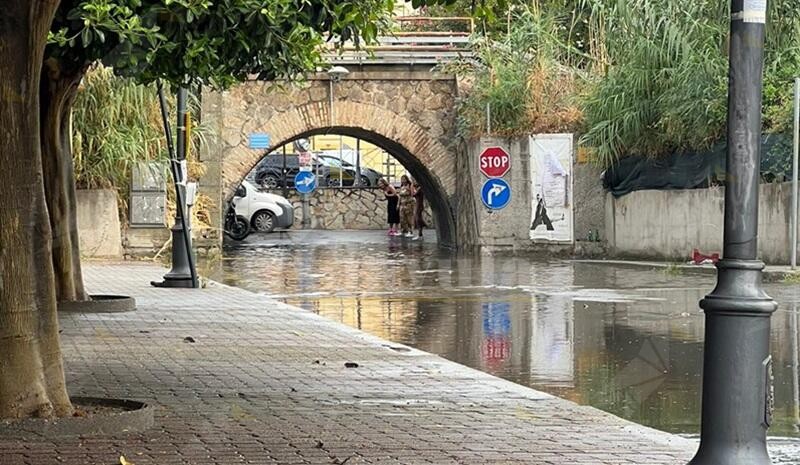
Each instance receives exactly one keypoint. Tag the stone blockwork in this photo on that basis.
(338, 209)
(410, 114)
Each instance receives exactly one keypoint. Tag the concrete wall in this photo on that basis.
(589, 200)
(336, 209)
(669, 224)
(98, 224)
(509, 227)
(145, 242)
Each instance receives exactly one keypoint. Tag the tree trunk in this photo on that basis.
(58, 90)
(31, 370)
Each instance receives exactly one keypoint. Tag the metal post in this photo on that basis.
(183, 272)
(284, 174)
(330, 100)
(794, 169)
(358, 162)
(488, 119)
(737, 367)
(306, 212)
(795, 368)
(341, 165)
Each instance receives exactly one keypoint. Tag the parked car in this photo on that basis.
(276, 170)
(369, 177)
(265, 212)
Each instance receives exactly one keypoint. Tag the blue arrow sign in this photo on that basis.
(305, 182)
(495, 194)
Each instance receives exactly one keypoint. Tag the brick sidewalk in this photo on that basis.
(265, 383)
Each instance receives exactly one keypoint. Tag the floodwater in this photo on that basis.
(623, 339)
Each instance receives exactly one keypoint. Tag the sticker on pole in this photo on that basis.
(305, 182)
(753, 11)
(496, 194)
(494, 162)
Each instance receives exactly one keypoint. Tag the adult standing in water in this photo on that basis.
(392, 209)
(407, 203)
(419, 210)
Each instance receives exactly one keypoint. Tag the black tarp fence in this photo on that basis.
(695, 170)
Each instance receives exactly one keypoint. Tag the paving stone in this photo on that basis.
(248, 390)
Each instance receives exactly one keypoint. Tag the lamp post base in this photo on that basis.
(737, 371)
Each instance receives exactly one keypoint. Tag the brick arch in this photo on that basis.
(428, 160)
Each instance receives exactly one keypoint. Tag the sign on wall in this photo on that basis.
(258, 140)
(551, 175)
(494, 162)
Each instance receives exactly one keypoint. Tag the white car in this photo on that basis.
(266, 212)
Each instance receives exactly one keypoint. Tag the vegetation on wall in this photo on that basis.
(665, 88)
(117, 124)
(633, 78)
(520, 82)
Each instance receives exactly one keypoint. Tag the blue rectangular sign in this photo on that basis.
(258, 141)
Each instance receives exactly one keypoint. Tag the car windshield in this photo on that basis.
(335, 161)
(331, 161)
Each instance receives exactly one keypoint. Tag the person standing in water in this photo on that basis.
(407, 203)
(419, 210)
(392, 210)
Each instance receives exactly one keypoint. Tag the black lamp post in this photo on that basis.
(737, 367)
(183, 273)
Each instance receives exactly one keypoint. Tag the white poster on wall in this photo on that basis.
(551, 175)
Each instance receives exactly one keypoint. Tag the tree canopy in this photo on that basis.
(212, 42)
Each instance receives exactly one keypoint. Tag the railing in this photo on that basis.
(412, 47)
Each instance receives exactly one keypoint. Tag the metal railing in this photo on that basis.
(404, 47)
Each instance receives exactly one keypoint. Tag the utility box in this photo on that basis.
(148, 202)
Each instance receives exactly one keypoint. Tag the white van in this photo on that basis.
(266, 212)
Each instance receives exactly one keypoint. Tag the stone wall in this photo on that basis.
(410, 114)
(668, 224)
(343, 208)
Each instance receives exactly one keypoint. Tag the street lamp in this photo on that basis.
(183, 272)
(737, 367)
(335, 74)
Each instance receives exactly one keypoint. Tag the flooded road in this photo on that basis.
(624, 340)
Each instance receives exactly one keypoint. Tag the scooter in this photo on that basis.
(236, 226)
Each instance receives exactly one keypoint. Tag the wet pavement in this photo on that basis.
(237, 378)
(624, 340)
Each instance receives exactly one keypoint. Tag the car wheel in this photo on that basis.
(270, 182)
(332, 182)
(264, 221)
(364, 182)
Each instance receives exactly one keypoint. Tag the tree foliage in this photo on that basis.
(216, 43)
(521, 80)
(664, 87)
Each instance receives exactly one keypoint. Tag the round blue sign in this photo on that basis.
(495, 194)
(305, 182)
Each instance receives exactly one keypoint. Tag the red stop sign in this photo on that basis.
(494, 162)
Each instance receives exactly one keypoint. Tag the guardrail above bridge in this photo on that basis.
(408, 46)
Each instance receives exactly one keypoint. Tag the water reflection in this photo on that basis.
(625, 340)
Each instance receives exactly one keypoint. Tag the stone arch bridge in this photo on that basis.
(409, 113)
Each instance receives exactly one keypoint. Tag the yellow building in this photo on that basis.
(372, 156)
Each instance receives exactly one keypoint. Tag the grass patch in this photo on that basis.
(673, 269)
(791, 278)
